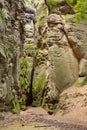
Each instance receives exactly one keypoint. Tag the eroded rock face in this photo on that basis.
(67, 51)
(63, 65)
(11, 45)
(3, 87)
(29, 26)
(78, 38)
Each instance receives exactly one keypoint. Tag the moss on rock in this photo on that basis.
(39, 85)
(15, 103)
(81, 82)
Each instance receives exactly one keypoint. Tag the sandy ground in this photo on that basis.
(77, 120)
(71, 115)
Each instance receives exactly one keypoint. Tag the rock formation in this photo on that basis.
(42, 53)
(66, 49)
(11, 46)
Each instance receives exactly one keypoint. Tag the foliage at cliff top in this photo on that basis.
(52, 4)
(80, 8)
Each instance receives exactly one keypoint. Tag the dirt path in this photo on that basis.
(39, 115)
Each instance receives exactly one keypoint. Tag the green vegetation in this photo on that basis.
(24, 81)
(80, 9)
(19, 101)
(15, 103)
(24, 76)
(23, 100)
(43, 12)
(70, 1)
(42, 16)
(6, 48)
(2, 51)
(81, 82)
(29, 48)
(1, 18)
(40, 58)
(44, 43)
(52, 4)
(4, 15)
(68, 17)
(38, 55)
(38, 90)
(5, 51)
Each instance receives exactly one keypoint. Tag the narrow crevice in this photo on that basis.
(30, 94)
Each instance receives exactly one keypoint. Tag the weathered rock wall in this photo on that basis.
(11, 44)
(28, 58)
(66, 50)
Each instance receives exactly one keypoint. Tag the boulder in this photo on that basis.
(63, 70)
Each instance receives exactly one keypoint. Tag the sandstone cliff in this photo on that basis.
(11, 46)
(42, 53)
(66, 49)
